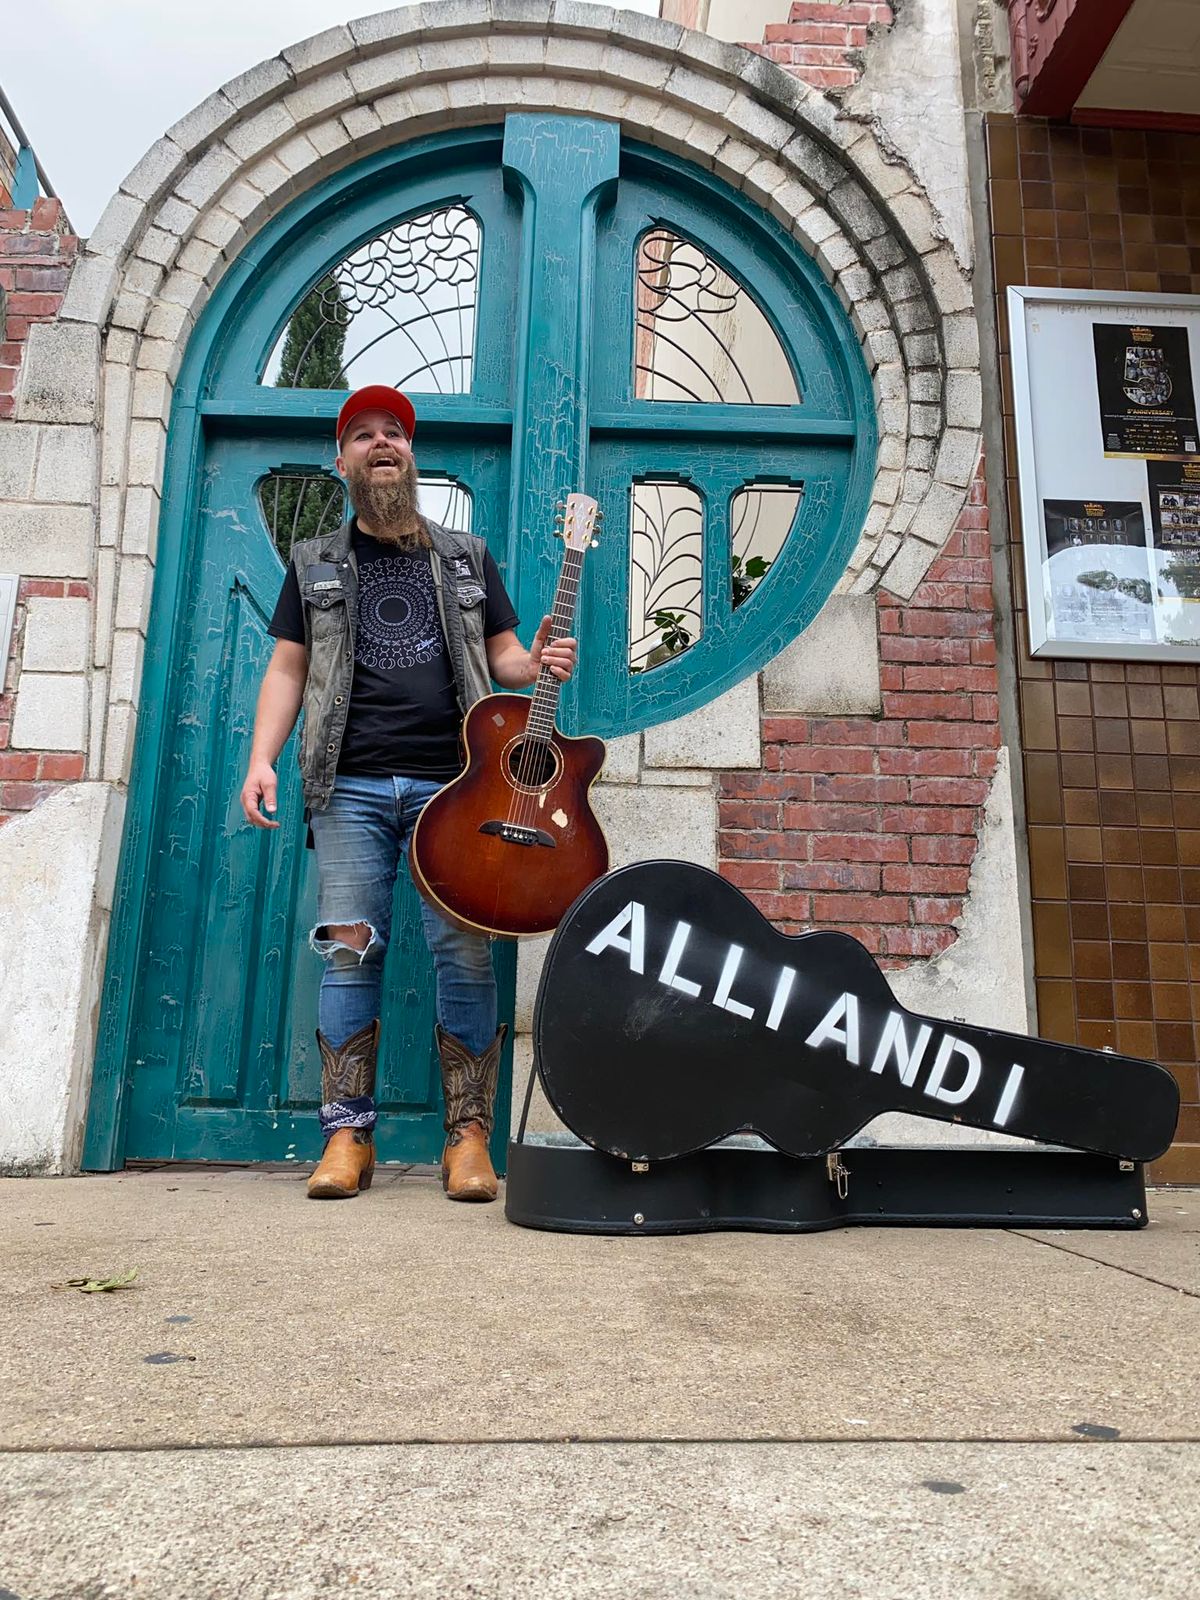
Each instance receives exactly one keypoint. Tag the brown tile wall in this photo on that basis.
(1111, 749)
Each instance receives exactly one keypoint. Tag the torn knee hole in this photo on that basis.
(345, 939)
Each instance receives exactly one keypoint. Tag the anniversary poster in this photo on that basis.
(1098, 586)
(1175, 517)
(1144, 385)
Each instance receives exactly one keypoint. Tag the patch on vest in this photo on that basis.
(470, 590)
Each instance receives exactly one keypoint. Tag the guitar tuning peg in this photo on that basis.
(595, 544)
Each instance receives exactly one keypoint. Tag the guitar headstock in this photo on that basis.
(579, 517)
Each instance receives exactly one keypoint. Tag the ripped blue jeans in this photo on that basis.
(360, 838)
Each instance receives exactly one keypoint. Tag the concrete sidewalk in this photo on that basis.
(400, 1396)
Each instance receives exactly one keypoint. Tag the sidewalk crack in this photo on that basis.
(1082, 1255)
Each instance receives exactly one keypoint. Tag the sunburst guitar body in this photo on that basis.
(508, 845)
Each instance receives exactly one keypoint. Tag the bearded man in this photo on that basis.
(386, 632)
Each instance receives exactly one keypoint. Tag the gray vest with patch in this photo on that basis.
(327, 573)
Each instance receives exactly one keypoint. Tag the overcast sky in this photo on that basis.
(96, 82)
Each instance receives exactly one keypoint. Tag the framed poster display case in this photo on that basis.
(1105, 393)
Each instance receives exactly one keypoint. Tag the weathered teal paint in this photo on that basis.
(214, 1045)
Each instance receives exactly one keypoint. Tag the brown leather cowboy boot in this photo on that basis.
(348, 1164)
(469, 1085)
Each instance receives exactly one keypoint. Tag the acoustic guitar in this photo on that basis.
(508, 845)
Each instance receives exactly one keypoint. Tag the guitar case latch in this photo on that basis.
(838, 1174)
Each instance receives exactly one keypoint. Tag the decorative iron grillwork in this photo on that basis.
(300, 505)
(399, 310)
(700, 336)
(760, 518)
(306, 505)
(666, 572)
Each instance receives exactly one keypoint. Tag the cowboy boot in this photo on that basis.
(469, 1085)
(347, 1073)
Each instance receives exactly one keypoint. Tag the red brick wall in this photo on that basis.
(822, 40)
(870, 824)
(36, 254)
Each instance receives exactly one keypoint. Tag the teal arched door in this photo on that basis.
(567, 311)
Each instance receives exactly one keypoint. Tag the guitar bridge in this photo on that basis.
(515, 833)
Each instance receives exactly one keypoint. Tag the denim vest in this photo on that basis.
(327, 573)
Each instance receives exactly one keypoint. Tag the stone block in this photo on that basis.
(634, 67)
(135, 585)
(51, 712)
(964, 400)
(360, 122)
(832, 669)
(697, 90)
(268, 127)
(950, 283)
(117, 384)
(90, 290)
(66, 469)
(59, 374)
(158, 246)
(120, 726)
(197, 260)
(936, 514)
(125, 671)
(203, 122)
(256, 83)
(594, 22)
(118, 226)
(622, 759)
(960, 335)
(676, 778)
(46, 541)
(378, 73)
(155, 171)
(112, 509)
(205, 179)
(152, 396)
(106, 583)
(326, 49)
(642, 824)
(18, 450)
(725, 733)
(957, 456)
(908, 567)
(56, 635)
(319, 99)
(218, 226)
(401, 21)
(139, 531)
(327, 136)
(147, 442)
(850, 202)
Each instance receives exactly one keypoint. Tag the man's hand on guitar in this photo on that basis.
(560, 656)
(259, 789)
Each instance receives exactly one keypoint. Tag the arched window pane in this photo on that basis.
(300, 505)
(400, 310)
(666, 573)
(700, 336)
(446, 501)
(760, 519)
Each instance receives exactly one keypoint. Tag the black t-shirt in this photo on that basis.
(403, 717)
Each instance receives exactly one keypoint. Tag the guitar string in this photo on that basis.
(537, 738)
(537, 745)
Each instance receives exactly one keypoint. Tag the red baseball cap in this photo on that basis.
(378, 397)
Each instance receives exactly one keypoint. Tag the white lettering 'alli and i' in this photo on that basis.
(839, 1026)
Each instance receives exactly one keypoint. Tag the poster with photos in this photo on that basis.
(1175, 518)
(1108, 469)
(1097, 570)
(1144, 383)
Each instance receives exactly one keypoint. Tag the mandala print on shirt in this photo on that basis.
(397, 614)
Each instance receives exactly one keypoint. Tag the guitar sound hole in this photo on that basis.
(531, 765)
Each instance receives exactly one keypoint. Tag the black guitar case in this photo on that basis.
(671, 1015)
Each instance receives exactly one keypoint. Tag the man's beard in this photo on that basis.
(388, 505)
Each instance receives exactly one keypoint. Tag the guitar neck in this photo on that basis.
(543, 707)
